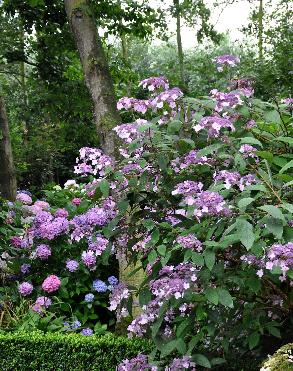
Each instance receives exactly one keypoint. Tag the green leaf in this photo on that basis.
(275, 226)
(212, 295)
(286, 140)
(288, 207)
(225, 298)
(169, 347)
(266, 155)
(174, 126)
(273, 211)
(245, 233)
(144, 296)
(272, 116)
(161, 250)
(251, 140)
(152, 256)
(155, 236)
(274, 331)
(286, 167)
(245, 202)
(162, 161)
(253, 340)
(210, 258)
(217, 361)
(104, 187)
(197, 258)
(202, 360)
(208, 150)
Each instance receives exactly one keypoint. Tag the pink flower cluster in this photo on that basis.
(51, 284)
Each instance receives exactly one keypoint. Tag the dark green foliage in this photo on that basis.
(56, 352)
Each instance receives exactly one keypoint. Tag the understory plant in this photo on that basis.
(201, 201)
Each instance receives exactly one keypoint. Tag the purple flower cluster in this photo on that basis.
(226, 60)
(155, 83)
(100, 286)
(248, 151)
(189, 242)
(24, 198)
(234, 179)
(191, 158)
(169, 97)
(47, 227)
(225, 100)
(43, 252)
(89, 297)
(187, 188)
(89, 259)
(118, 300)
(97, 244)
(276, 257)
(137, 105)
(214, 124)
(139, 363)
(72, 265)
(210, 203)
(87, 332)
(41, 304)
(129, 132)
(92, 161)
(25, 268)
(181, 364)
(25, 288)
(244, 86)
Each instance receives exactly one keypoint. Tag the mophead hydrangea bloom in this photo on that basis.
(51, 284)
(25, 288)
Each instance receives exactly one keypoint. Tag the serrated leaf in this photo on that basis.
(174, 126)
(161, 250)
(152, 256)
(197, 258)
(251, 140)
(253, 340)
(286, 140)
(273, 211)
(272, 116)
(245, 233)
(274, 331)
(288, 207)
(155, 236)
(275, 226)
(209, 258)
(202, 360)
(245, 202)
(225, 298)
(212, 295)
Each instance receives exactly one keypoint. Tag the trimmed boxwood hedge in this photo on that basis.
(61, 352)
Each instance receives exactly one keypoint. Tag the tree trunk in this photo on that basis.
(126, 61)
(7, 172)
(96, 71)
(260, 29)
(179, 43)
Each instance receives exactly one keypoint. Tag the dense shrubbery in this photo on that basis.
(56, 352)
(201, 197)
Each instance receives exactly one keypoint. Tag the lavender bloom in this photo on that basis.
(153, 83)
(214, 124)
(226, 61)
(189, 242)
(76, 324)
(44, 301)
(248, 151)
(113, 281)
(139, 363)
(24, 198)
(53, 228)
(250, 124)
(25, 288)
(191, 158)
(244, 86)
(98, 244)
(130, 132)
(89, 259)
(210, 203)
(72, 265)
(181, 364)
(43, 252)
(87, 332)
(288, 101)
(16, 241)
(169, 97)
(61, 213)
(25, 268)
(137, 105)
(100, 286)
(187, 188)
(230, 178)
(225, 100)
(89, 297)
(118, 297)
(92, 161)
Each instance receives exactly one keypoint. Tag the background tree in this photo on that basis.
(7, 172)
